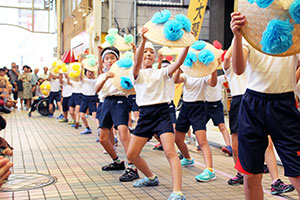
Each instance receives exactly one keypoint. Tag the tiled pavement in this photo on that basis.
(42, 145)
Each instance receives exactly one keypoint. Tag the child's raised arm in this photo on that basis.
(140, 53)
(173, 67)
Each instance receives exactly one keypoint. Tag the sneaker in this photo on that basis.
(98, 140)
(237, 180)
(61, 116)
(114, 166)
(116, 141)
(63, 120)
(50, 115)
(205, 176)
(86, 131)
(198, 148)
(145, 182)
(176, 196)
(179, 154)
(129, 175)
(279, 187)
(71, 122)
(79, 124)
(186, 162)
(227, 150)
(158, 147)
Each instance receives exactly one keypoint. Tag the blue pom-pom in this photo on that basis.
(206, 56)
(110, 39)
(198, 45)
(161, 17)
(190, 59)
(277, 37)
(295, 11)
(262, 3)
(126, 83)
(172, 30)
(186, 22)
(125, 62)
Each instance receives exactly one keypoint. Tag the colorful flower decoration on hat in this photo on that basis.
(277, 37)
(112, 31)
(91, 59)
(198, 45)
(128, 54)
(110, 39)
(75, 67)
(172, 30)
(295, 11)
(262, 3)
(65, 69)
(161, 17)
(206, 56)
(217, 44)
(125, 62)
(186, 23)
(126, 83)
(190, 59)
(128, 38)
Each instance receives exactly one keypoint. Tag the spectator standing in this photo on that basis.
(13, 75)
(45, 75)
(26, 94)
(34, 80)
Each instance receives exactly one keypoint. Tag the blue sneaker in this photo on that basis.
(145, 182)
(50, 115)
(206, 176)
(97, 140)
(74, 125)
(61, 116)
(116, 141)
(187, 162)
(227, 150)
(176, 196)
(86, 131)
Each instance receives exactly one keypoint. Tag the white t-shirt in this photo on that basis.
(215, 93)
(151, 86)
(171, 88)
(270, 74)
(236, 83)
(76, 87)
(108, 88)
(66, 88)
(194, 88)
(297, 91)
(88, 86)
(55, 85)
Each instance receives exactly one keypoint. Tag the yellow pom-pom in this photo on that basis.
(64, 69)
(63, 65)
(48, 86)
(77, 73)
(76, 67)
(54, 63)
(55, 70)
(72, 75)
(45, 92)
(42, 86)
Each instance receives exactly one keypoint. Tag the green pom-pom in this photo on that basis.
(128, 54)
(112, 31)
(128, 38)
(110, 39)
(91, 59)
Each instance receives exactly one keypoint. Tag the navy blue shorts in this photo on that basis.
(173, 112)
(234, 113)
(99, 110)
(191, 113)
(132, 103)
(154, 119)
(65, 104)
(54, 96)
(75, 100)
(114, 111)
(88, 102)
(215, 111)
(269, 114)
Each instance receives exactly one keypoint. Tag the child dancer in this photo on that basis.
(66, 94)
(89, 98)
(54, 93)
(114, 112)
(267, 108)
(215, 111)
(152, 99)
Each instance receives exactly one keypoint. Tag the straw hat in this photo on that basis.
(57, 67)
(121, 79)
(74, 71)
(45, 88)
(172, 32)
(272, 27)
(169, 51)
(114, 39)
(90, 63)
(208, 55)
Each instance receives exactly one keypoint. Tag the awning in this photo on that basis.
(67, 58)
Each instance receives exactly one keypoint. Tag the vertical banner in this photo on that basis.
(196, 13)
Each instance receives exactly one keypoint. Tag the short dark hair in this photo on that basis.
(2, 123)
(114, 49)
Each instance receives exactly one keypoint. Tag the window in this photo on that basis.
(161, 2)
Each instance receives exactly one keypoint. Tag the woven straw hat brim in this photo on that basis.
(53, 73)
(120, 44)
(89, 67)
(199, 69)
(169, 51)
(258, 18)
(155, 34)
(119, 72)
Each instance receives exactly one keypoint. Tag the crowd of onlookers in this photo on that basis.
(18, 83)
